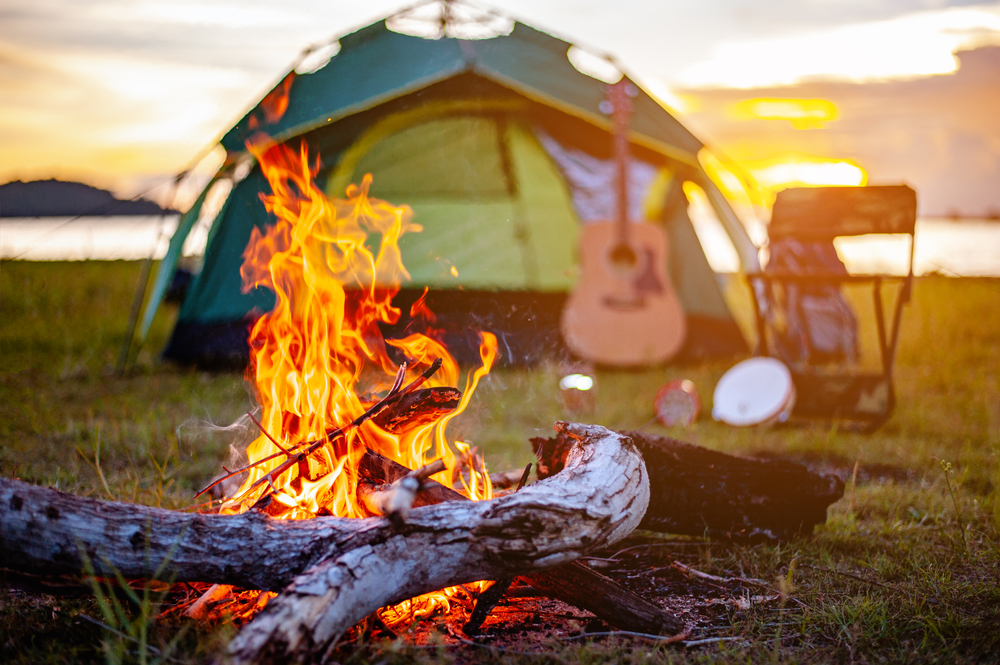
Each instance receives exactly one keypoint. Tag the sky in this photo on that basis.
(123, 93)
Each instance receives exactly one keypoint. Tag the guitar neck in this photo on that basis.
(622, 110)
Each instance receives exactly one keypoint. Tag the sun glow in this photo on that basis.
(798, 171)
(801, 113)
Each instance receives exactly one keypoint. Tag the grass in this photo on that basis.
(907, 567)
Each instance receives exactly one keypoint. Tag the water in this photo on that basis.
(964, 247)
(90, 238)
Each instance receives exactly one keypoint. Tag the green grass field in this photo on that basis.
(906, 569)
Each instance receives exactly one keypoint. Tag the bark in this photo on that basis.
(598, 499)
(696, 491)
(572, 583)
(336, 571)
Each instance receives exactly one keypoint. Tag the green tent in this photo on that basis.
(502, 150)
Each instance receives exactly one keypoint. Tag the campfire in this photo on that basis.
(354, 503)
(319, 360)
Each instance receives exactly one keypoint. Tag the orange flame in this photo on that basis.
(319, 360)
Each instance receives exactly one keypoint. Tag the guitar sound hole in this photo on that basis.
(623, 256)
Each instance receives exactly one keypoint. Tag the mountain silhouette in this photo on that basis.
(56, 198)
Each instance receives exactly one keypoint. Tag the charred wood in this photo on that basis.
(587, 589)
(696, 491)
(377, 470)
(395, 500)
(420, 407)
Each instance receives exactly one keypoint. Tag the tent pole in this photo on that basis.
(140, 288)
(133, 317)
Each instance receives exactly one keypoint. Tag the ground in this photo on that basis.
(907, 567)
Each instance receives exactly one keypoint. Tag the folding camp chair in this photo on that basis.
(828, 386)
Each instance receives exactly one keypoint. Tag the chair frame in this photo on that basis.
(847, 395)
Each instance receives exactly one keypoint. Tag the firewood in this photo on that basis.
(485, 603)
(505, 479)
(377, 470)
(695, 491)
(575, 583)
(578, 585)
(335, 571)
(420, 407)
(199, 609)
(396, 499)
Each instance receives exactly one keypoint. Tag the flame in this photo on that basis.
(319, 360)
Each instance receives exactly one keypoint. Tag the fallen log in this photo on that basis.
(695, 491)
(335, 571)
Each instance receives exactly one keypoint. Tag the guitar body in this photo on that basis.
(623, 315)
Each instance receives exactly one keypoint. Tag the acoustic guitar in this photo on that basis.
(624, 310)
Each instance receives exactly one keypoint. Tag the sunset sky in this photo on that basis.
(123, 93)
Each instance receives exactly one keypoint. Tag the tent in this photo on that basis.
(501, 147)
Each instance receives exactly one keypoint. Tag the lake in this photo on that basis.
(967, 247)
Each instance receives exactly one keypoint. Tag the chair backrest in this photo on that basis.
(824, 213)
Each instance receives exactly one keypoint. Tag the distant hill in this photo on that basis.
(55, 198)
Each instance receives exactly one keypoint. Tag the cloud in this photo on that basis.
(938, 133)
(918, 44)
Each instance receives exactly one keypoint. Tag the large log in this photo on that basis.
(572, 583)
(696, 491)
(336, 571)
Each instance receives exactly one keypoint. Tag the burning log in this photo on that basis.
(377, 470)
(396, 500)
(418, 408)
(336, 571)
(696, 491)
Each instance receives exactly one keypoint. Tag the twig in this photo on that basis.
(312, 446)
(853, 577)
(331, 434)
(265, 433)
(614, 557)
(662, 639)
(688, 570)
(200, 608)
(427, 470)
(396, 499)
(505, 479)
(710, 640)
(524, 477)
(473, 643)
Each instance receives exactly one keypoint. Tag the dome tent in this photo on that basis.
(502, 150)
